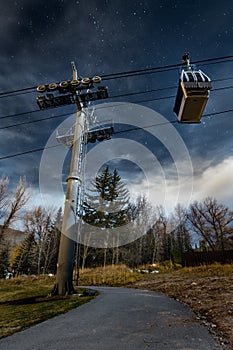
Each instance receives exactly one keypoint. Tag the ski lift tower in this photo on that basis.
(77, 91)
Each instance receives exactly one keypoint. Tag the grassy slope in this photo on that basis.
(25, 302)
(208, 290)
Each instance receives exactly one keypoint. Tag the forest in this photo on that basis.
(154, 236)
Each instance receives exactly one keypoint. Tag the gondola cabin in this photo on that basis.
(192, 96)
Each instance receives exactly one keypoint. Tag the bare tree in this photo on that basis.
(4, 182)
(179, 227)
(213, 222)
(14, 205)
(162, 238)
(139, 250)
(52, 243)
(38, 252)
(86, 248)
(38, 222)
(10, 205)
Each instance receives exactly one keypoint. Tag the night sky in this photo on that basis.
(170, 163)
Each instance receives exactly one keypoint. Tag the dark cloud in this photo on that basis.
(40, 38)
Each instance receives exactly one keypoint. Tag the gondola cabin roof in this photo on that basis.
(192, 96)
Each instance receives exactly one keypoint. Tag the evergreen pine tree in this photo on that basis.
(107, 206)
(25, 259)
(107, 203)
(4, 258)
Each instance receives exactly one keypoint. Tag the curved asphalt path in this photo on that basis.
(118, 319)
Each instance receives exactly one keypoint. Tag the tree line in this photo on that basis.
(205, 225)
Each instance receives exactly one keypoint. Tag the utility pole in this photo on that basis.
(76, 91)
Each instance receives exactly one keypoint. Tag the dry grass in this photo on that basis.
(114, 276)
(208, 290)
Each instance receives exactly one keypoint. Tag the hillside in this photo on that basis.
(14, 237)
(208, 290)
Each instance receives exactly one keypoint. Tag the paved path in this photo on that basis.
(118, 319)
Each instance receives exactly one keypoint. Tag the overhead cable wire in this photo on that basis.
(175, 121)
(17, 94)
(152, 72)
(126, 94)
(145, 127)
(34, 121)
(20, 114)
(116, 132)
(116, 96)
(223, 59)
(24, 113)
(171, 66)
(217, 113)
(18, 90)
(28, 152)
(111, 97)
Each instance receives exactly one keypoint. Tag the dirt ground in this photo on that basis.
(207, 290)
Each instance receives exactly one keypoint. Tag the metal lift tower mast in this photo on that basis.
(66, 255)
(76, 91)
